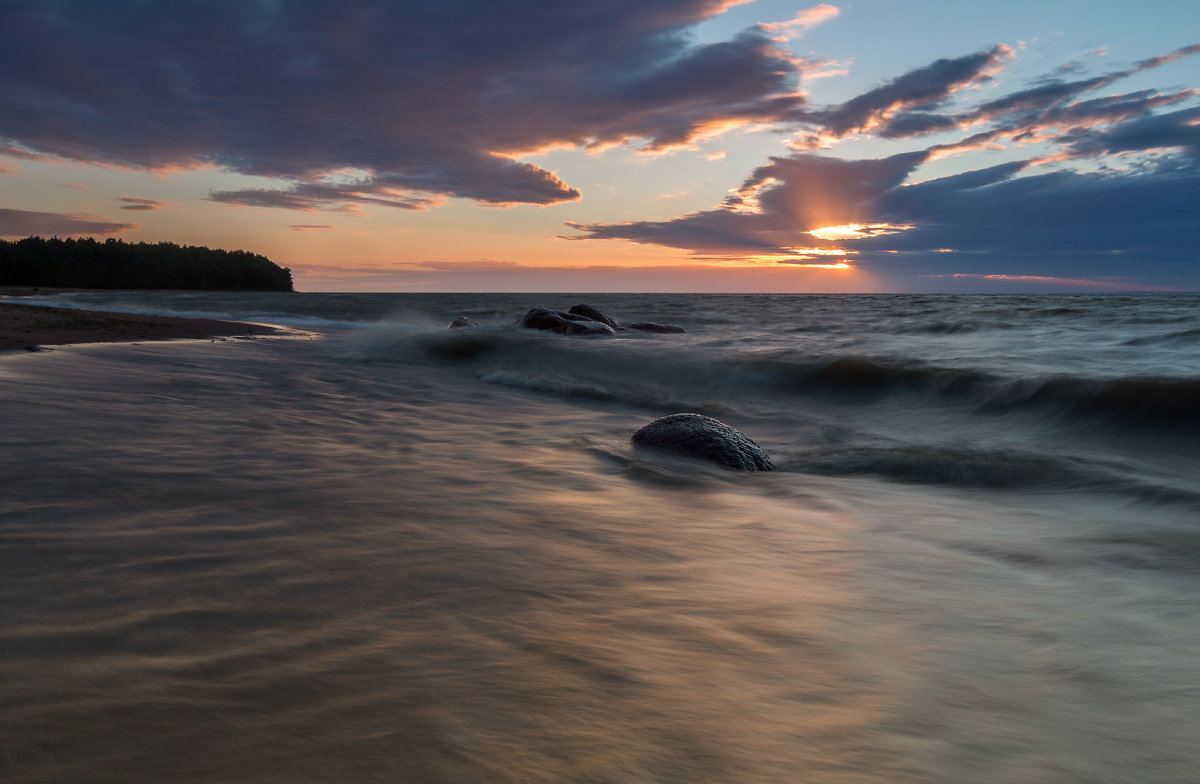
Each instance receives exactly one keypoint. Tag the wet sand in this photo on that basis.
(30, 326)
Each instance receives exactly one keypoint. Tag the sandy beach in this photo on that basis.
(30, 326)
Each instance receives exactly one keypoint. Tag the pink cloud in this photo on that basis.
(801, 23)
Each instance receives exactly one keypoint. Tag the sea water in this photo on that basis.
(383, 550)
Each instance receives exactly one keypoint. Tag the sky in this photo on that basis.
(619, 145)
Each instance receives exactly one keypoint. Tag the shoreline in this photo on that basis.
(31, 327)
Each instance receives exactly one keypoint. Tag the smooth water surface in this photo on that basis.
(395, 552)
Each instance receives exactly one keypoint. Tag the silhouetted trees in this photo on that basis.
(115, 264)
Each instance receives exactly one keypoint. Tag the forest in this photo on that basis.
(115, 264)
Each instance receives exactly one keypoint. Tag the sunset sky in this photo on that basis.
(619, 145)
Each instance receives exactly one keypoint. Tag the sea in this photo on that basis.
(375, 549)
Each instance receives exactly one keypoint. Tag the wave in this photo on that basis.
(183, 306)
(1187, 337)
(658, 372)
(1141, 401)
(861, 376)
(946, 465)
(981, 468)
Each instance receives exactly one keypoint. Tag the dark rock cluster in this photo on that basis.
(705, 438)
(586, 320)
(579, 320)
(564, 323)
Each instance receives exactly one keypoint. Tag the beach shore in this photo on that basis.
(31, 326)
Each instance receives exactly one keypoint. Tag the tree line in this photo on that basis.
(115, 264)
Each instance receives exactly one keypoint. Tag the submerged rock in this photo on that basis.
(699, 436)
(587, 311)
(654, 326)
(462, 321)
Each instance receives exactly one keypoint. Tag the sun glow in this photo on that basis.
(856, 231)
(841, 265)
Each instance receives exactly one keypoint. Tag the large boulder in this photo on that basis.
(563, 323)
(544, 319)
(589, 327)
(699, 436)
(587, 311)
(654, 326)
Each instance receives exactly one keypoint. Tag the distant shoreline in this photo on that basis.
(30, 327)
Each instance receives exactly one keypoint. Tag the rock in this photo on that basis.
(651, 326)
(569, 316)
(544, 319)
(589, 327)
(584, 320)
(699, 436)
(587, 311)
(462, 321)
(564, 323)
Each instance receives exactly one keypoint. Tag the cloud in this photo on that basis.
(310, 226)
(775, 208)
(427, 100)
(9, 150)
(23, 223)
(1049, 105)
(1111, 182)
(918, 89)
(1176, 130)
(320, 198)
(801, 23)
(142, 205)
(1058, 221)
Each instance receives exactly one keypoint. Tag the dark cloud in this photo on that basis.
(322, 198)
(23, 223)
(1059, 222)
(922, 88)
(1053, 218)
(1050, 104)
(420, 100)
(1034, 216)
(1174, 130)
(141, 205)
(776, 206)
